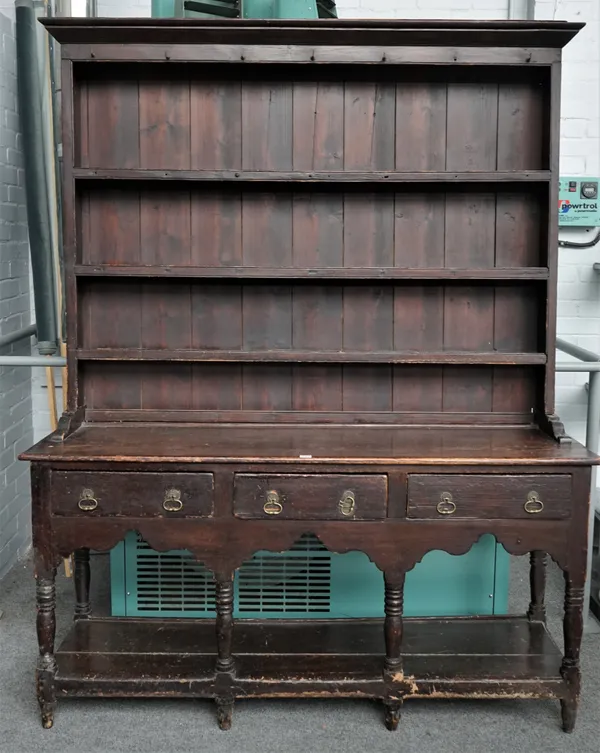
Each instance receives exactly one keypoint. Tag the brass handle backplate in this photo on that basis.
(446, 505)
(347, 504)
(87, 501)
(272, 506)
(172, 501)
(534, 504)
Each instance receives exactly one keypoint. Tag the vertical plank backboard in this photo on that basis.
(369, 125)
(318, 125)
(419, 227)
(113, 124)
(216, 228)
(165, 125)
(216, 317)
(216, 125)
(111, 227)
(421, 126)
(518, 230)
(520, 119)
(266, 125)
(165, 226)
(318, 230)
(166, 316)
(470, 230)
(472, 127)
(468, 318)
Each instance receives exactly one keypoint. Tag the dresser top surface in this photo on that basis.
(401, 445)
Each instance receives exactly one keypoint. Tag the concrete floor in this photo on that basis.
(182, 726)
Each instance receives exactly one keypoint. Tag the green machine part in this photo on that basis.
(245, 9)
(306, 581)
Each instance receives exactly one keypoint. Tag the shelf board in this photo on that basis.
(309, 356)
(497, 656)
(331, 273)
(346, 176)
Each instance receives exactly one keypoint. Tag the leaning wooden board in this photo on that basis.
(311, 287)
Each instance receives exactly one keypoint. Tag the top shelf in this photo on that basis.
(250, 176)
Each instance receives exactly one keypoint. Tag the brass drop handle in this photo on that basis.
(534, 504)
(347, 504)
(446, 505)
(87, 501)
(172, 501)
(273, 506)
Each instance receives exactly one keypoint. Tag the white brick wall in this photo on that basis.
(578, 285)
(15, 384)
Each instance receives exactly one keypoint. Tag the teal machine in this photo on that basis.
(578, 204)
(308, 580)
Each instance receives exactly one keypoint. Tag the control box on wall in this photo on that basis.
(578, 204)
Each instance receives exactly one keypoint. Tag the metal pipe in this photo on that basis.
(574, 350)
(38, 217)
(585, 367)
(32, 361)
(20, 334)
(592, 442)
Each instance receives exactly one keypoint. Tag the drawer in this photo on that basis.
(310, 497)
(136, 495)
(477, 496)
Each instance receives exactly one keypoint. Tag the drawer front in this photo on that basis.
(137, 495)
(477, 496)
(310, 497)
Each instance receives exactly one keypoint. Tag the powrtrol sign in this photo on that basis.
(578, 202)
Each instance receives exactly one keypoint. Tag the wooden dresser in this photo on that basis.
(311, 287)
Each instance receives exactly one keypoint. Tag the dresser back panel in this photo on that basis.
(498, 227)
(242, 254)
(195, 117)
(492, 394)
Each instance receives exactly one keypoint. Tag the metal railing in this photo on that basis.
(590, 362)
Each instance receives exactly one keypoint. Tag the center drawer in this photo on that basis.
(137, 495)
(310, 496)
(448, 496)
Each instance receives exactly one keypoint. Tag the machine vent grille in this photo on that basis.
(276, 584)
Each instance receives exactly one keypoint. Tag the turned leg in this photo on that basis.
(81, 577)
(392, 711)
(224, 712)
(537, 585)
(46, 629)
(573, 631)
(394, 605)
(224, 625)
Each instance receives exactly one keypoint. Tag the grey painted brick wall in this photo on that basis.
(16, 431)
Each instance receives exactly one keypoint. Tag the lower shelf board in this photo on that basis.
(492, 657)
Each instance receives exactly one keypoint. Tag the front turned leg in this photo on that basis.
(81, 576)
(224, 712)
(225, 664)
(537, 585)
(573, 631)
(46, 629)
(392, 714)
(394, 607)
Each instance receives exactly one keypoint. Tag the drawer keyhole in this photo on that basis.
(173, 501)
(446, 505)
(87, 501)
(534, 504)
(272, 506)
(347, 504)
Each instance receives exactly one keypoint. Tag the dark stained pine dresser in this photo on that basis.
(311, 287)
